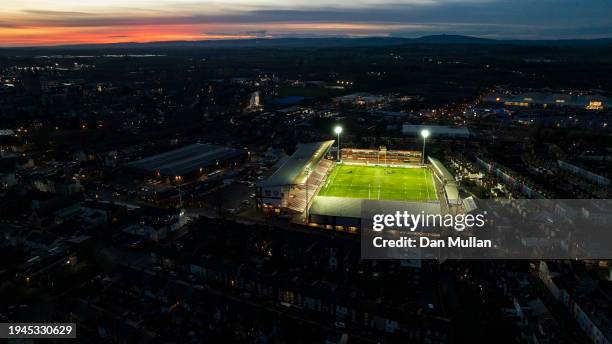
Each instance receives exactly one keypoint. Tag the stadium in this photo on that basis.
(324, 189)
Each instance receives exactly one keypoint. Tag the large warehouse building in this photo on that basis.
(189, 161)
(539, 99)
(297, 180)
(438, 131)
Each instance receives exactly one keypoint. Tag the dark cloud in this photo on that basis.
(226, 34)
(258, 33)
(7, 25)
(499, 18)
(56, 13)
(255, 33)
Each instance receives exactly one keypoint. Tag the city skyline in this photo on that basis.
(36, 22)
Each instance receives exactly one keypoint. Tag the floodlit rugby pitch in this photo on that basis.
(380, 183)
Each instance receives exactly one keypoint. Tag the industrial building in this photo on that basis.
(189, 161)
(437, 131)
(537, 99)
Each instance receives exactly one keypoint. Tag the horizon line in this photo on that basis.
(270, 38)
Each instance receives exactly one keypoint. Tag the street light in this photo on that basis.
(178, 180)
(338, 130)
(425, 134)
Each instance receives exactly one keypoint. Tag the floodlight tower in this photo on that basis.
(338, 130)
(425, 134)
(307, 170)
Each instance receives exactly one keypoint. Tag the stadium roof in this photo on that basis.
(336, 206)
(441, 170)
(307, 154)
(450, 186)
(452, 193)
(356, 208)
(186, 159)
(6, 132)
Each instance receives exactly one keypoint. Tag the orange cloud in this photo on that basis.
(34, 35)
(48, 34)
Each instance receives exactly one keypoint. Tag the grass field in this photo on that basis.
(379, 182)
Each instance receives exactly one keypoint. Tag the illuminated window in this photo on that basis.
(523, 104)
(595, 105)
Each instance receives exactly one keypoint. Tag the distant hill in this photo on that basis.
(454, 39)
(331, 42)
(459, 39)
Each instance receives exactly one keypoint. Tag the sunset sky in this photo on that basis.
(53, 22)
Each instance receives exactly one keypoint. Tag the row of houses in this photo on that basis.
(587, 300)
(321, 298)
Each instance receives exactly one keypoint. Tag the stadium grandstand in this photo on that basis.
(192, 160)
(446, 180)
(345, 214)
(298, 179)
(381, 156)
